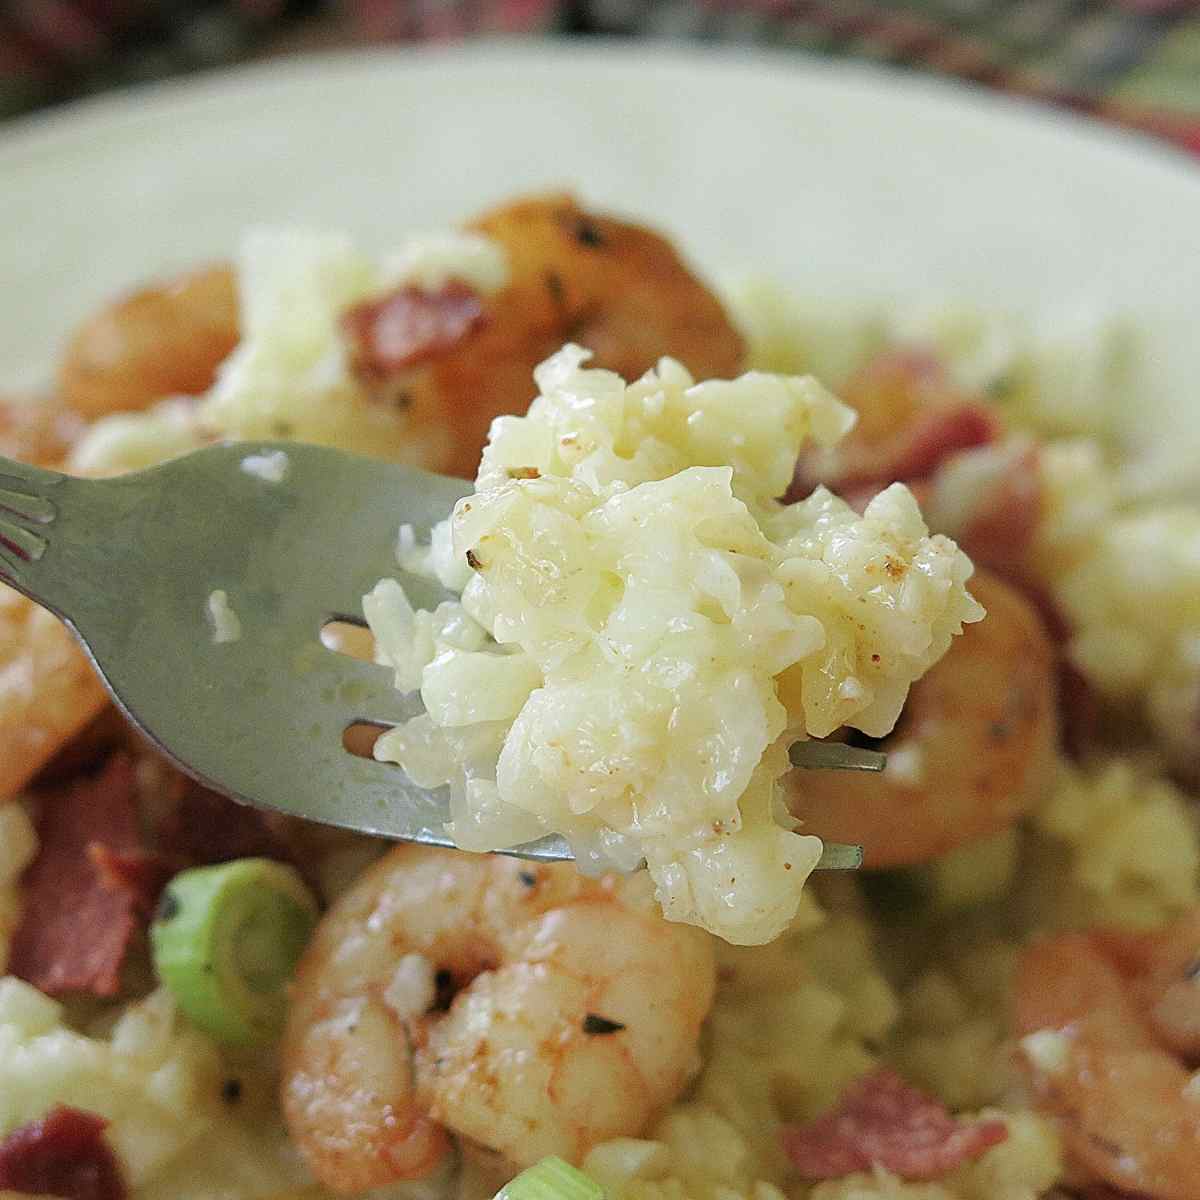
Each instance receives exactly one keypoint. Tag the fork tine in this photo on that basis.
(837, 856)
(835, 756)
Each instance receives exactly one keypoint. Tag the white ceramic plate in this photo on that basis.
(847, 181)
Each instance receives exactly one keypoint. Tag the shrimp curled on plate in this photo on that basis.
(519, 1007)
(164, 339)
(972, 751)
(1111, 1027)
(619, 289)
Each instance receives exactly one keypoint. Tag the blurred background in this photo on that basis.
(1136, 62)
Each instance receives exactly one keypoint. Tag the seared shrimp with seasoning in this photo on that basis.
(1111, 1036)
(616, 288)
(973, 749)
(517, 1007)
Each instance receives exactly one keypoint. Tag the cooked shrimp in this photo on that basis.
(1163, 971)
(37, 429)
(48, 690)
(163, 340)
(972, 751)
(517, 1006)
(1126, 1103)
(616, 288)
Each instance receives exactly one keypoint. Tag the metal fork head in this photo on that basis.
(130, 564)
(132, 561)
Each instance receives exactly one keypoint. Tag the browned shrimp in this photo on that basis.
(972, 751)
(1109, 1024)
(518, 1006)
(163, 340)
(616, 288)
(48, 690)
(1163, 971)
(37, 429)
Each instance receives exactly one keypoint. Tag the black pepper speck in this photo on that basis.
(595, 1025)
(588, 235)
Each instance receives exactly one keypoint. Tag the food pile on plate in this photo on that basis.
(702, 529)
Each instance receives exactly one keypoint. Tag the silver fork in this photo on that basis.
(129, 564)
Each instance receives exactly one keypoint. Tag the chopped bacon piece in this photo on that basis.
(95, 882)
(881, 1121)
(913, 453)
(205, 827)
(929, 439)
(408, 327)
(62, 1154)
(76, 928)
(141, 873)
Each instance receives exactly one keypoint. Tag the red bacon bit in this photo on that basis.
(933, 435)
(95, 883)
(141, 873)
(911, 417)
(205, 827)
(76, 928)
(63, 1154)
(409, 327)
(881, 1121)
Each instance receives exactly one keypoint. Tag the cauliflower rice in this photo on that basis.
(643, 629)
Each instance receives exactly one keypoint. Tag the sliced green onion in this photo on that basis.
(551, 1179)
(226, 941)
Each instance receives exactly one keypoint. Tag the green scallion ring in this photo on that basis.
(226, 940)
(551, 1179)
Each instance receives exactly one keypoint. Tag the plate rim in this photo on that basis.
(25, 138)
